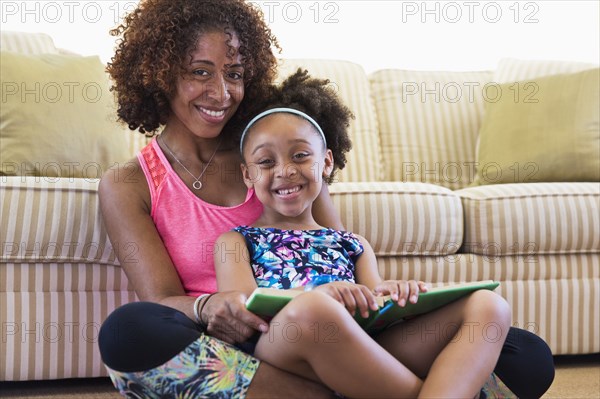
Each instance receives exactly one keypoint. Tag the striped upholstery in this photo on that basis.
(59, 278)
(136, 141)
(30, 43)
(49, 331)
(401, 218)
(428, 123)
(513, 70)
(556, 297)
(38, 215)
(533, 218)
(351, 83)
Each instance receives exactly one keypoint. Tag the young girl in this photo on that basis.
(288, 150)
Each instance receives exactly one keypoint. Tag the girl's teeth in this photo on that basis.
(213, 113)
(288, 191)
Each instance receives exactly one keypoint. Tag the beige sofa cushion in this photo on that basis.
(513, 70)
(401, 218)
(352, 85)
(53, 220)
(27, 43)
(428, 122)
(545, 129)
(58, 117)
(531, 219)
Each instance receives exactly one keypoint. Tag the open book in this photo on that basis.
(268, 301)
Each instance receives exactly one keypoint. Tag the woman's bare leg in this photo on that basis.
(314, 336)
(454, 348)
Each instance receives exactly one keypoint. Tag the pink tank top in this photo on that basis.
(188, 225)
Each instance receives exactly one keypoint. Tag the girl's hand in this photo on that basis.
(352, 296)
(401, 290)
(227, 318)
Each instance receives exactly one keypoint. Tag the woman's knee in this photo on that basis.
(525, 365)
(141, 335)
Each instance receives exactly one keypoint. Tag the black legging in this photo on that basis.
(142, 335)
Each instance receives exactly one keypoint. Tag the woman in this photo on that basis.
(196, 68)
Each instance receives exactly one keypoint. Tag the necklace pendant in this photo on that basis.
(197, 185)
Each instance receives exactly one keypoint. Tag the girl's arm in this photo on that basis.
(366, 271)
(367, 274)
(232, 264)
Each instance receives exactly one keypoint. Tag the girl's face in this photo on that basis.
(210, 91)
(285, 161)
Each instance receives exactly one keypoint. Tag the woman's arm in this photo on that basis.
(125, 206)
(232, 264)
(324, 211)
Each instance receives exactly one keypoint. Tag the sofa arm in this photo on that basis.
(52, 220)
(400, 219)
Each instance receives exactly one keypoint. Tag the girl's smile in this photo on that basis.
(285, 160)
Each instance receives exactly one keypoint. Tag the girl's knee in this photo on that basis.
(491, 306)
(312, 307)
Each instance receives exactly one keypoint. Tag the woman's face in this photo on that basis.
(212, 87)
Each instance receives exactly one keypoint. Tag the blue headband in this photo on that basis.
(282, 110)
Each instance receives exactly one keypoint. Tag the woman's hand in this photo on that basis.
(352, 296)
(401, 290)
(227, 318)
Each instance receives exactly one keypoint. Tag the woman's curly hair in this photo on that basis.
(316, 98)
(158, 36)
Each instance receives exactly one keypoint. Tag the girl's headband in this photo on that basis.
(281, 110)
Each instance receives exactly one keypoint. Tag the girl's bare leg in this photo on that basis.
(314, 336)
(455, 348)
(269, 382)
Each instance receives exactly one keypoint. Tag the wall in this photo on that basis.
(451, 35)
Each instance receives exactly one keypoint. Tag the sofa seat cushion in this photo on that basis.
(350, 82)
(532, 219)
(401, 218)
(53, 220)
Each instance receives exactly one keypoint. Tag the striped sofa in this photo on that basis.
(406, 189)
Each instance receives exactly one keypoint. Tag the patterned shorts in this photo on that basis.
(207, 368)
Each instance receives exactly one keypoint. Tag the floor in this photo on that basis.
(577, 377)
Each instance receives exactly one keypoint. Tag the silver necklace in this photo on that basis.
(197, 184)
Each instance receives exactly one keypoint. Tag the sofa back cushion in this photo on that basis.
(27, 43)
(57, 117)
(513, 70)
(352, 85)
(542, 130)
(428, 124)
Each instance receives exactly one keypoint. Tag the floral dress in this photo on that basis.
(292, 258)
